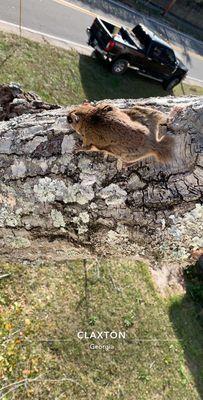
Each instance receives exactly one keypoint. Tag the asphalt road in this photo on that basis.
(68, 20)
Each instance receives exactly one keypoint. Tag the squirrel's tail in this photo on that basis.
(163, 149)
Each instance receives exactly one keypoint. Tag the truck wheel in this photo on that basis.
(118, 67)
(169, 85)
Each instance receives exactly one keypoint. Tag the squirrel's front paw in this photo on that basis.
(79, 149)
(122, 165)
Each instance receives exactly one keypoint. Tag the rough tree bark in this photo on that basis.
(56, 204)
(14, 102)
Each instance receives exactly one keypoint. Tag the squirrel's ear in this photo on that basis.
(86, 102)
(107, 107)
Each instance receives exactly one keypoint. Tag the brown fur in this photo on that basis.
(129, 135)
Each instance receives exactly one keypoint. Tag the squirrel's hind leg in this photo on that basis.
(147, 115)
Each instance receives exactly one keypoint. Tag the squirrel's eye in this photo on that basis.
(69, 119)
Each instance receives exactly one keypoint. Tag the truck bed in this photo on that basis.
(103, 31)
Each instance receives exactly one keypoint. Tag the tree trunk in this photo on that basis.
(56, 204)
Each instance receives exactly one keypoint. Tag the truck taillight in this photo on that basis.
(110, 45)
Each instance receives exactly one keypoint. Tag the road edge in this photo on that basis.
(42, 37)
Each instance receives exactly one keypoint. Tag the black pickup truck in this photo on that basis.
(138, 48)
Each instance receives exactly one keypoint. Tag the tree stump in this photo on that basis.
(14, 102)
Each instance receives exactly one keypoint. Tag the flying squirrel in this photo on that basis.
(129, 135)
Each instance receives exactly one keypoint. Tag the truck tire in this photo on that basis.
(169, 85)
(119, 66)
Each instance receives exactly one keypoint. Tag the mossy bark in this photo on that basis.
(56, 204)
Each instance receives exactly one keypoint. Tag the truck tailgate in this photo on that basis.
(100, 33)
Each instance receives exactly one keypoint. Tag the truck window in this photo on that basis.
(163, 54)
(156, 54)
(168, 56)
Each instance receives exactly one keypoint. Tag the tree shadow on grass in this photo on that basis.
(99, 83)
(187, 317)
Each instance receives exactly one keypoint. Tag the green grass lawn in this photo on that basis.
(43, 308)
(66, 77)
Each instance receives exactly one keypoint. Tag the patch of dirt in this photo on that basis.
(168, 278)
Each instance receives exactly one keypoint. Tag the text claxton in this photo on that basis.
(101, 335)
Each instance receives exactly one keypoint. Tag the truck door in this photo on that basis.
(162, 62)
